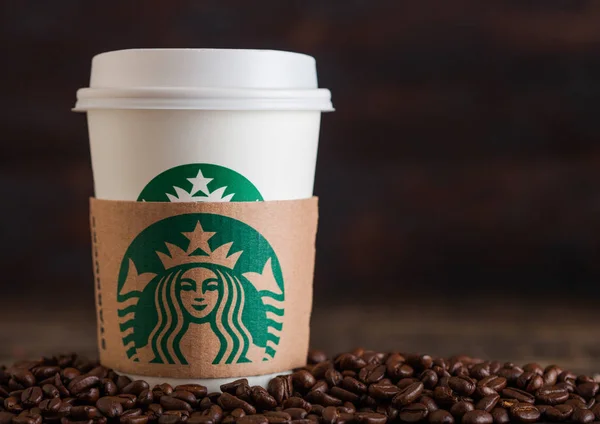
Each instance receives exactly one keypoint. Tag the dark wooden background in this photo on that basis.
(459, 177)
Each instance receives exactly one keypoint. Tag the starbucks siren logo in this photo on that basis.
(200, 269)
(200, 182)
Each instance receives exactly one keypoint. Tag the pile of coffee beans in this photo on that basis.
(362, 387)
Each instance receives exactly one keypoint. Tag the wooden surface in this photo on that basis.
(462, 165)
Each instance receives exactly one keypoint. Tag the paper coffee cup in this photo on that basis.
(203, 125)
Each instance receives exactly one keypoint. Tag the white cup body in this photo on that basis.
(275, 150)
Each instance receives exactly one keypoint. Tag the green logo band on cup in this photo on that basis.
(199, 269)
(200, 182)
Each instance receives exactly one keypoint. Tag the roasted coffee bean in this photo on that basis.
(170, 403)
(45, 371)
(85, 412)
(551, 395)
(529, 381)
(89, 396)
(262, 399)
(462, 385)
(429, 403)
(303, 380)
(99, 372)
(50, 405)
(109, 406)
(550, 377)
(279, 388)
(429, 378)
(138, 419)
(588, 390)
(82, 383)
(477, 416)
(524, 413)
(494, 382)
(372, 373)
(6, 417)
(135, 387)
(440, 417)
(559, 413)
(27, 418)
(352, 385)
(229, 402)
(70, 373)
(122, 381)
(369, 418)
(32, 396)
(323, 399)
(518, 394)
(413, 413)
(348, 361)
(198, 390)
(444, 396)
(185, 396)
(534, 368)
(316, 356)
(253, 419)
(298, 413)
(405, 382)
(11, 404)
(343, 394)
(23, 377)
(333, 377)
(298, 402)
(500, 416)
(487, 403)
(128, 401)
(580, 415)
(330, 415)
(461, 408)
(145, 398)
(232, 386)
(408, 394)
(596, 410)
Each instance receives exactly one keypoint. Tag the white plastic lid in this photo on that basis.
(207, 79)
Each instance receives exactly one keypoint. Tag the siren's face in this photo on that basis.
(200, 289)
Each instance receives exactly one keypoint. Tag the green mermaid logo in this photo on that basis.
(200, 182)
(200, 271)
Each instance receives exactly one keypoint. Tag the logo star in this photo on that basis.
(200, 183)
(199, 239)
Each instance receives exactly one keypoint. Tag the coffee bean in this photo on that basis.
(551, 395)
(333, 377)
(429, 403)
(511, 373)
(459, 409)
(6, 417)
(89, 396)
(477, 417)
(122, 381)
(429, 378)
(488, 403)
(352, 385)
(524, 413)
(588, 390)
(580, 416)
(135, 387)
(99, 371)
(413, 413)
(330, 415)
(462, 385)
(198, 390)
(559, 412)
(529, 381)
(127, 401)
(440, 417)
(518, 394)
(139, 419)
(372, 373)
(32, 396)
(596, 410)
(27, 419)
(109, 406)
(534, 368)
(370, 418)
(500, 416)
(280, 388)
(50, 391)
(348, 361)
(11, 404)
(480, 371)
(316, 356)
(444, 396)
(82, 383)
(550, 377)
(85, 412)
(298, 413)
(399, 370)
(298, 402)
(408, 394)
(494, 382)
(323, 399)
(45, 371)
(229, 402)
(343, 394)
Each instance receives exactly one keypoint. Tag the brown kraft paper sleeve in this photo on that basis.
(203, 290)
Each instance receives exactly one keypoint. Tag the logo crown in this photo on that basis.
(199, 240)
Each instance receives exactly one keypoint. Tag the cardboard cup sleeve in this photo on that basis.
(203, 290)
